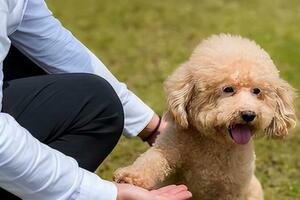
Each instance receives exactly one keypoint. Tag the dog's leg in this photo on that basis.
(148, 170)
(255, 191)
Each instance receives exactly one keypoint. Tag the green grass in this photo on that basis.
(142, 42)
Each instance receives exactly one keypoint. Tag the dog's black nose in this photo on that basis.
(248, 116)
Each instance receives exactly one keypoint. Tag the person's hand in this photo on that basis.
(171, 192)
(162, 126)
(153, 129)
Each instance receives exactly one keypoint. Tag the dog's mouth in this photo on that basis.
(240, 133)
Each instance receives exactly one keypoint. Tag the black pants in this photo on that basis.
(78, 114)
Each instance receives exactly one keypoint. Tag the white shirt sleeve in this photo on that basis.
(43, 39)
(30, 169)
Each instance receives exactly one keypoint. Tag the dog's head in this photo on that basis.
(230, 89)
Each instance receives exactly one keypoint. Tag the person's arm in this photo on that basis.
(43, 39)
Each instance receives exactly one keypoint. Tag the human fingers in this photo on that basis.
(177, 189)
(183, 195)
(163, 189)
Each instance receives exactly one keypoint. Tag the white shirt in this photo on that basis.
(29, 168)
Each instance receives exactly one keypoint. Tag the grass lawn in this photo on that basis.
(142, 42)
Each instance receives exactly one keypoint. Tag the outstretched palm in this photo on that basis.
(171, 192)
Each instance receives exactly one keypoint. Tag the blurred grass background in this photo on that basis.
(142, 42)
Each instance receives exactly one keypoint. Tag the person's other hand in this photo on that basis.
(163, 125)
(171, 192)
(153, 129)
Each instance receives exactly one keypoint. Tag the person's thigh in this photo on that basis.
(77, 114)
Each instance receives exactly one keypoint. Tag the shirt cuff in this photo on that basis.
(137, 115)
(94, 188)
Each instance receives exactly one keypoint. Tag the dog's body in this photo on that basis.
(228, 91)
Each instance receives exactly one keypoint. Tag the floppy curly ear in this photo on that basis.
(285, 116)
(179, 88)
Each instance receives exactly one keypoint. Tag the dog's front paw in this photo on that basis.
(132, 176)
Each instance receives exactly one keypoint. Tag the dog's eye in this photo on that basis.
(228, 89)
(256, 91)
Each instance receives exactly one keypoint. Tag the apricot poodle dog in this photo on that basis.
(228, 92)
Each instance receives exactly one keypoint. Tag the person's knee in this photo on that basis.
(99, 91)
(96, 97)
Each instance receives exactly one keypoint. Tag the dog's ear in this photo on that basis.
(285, 116)
(179, 87)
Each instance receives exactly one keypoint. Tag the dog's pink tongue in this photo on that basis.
(241, 134)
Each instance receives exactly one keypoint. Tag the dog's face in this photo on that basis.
(229, 90)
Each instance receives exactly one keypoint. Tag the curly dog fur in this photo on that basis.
(228, 92)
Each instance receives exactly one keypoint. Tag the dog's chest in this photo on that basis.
(211, 172)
